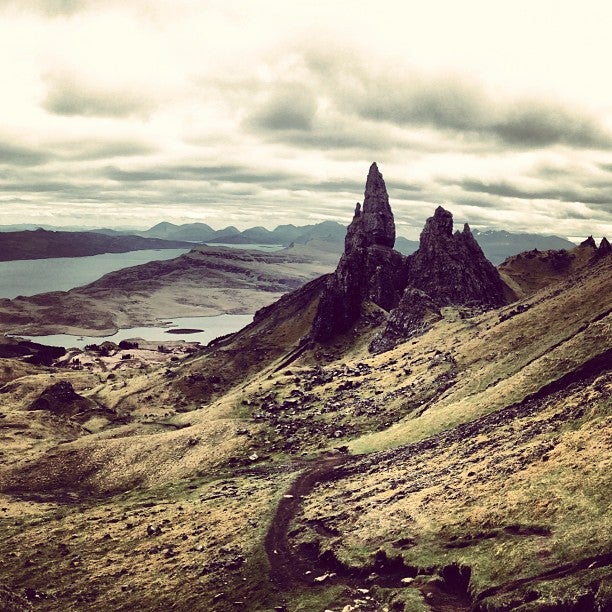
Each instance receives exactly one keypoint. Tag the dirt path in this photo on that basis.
(287, 569)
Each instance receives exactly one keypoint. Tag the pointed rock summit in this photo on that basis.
(377, 223)
(447, 269)
(369, 268)
(604, 249)
(451, 268)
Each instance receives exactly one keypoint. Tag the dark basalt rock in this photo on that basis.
(589, 242)
(414, 315)
(369, 268)
(604, 248)
(447, 269)
(451, 268)
(61, 398)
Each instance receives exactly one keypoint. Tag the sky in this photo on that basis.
(125, 113)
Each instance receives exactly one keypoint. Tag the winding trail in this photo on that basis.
(449, 591)
(287, 569)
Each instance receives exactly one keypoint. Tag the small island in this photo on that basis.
(184, 330)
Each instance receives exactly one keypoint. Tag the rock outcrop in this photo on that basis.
(369, 268)
(589, 242)
(61, 399)
(447, 269)
(451, 267)
(604, 249)
(414, 315)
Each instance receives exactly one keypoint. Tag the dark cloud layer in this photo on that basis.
(229, 173)
(70, 96)
(458, 108)
(290, 108)
(589, 195)
(16, 155)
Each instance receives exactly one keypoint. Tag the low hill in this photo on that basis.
(43, 244)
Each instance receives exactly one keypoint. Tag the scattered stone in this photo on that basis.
(324, 577)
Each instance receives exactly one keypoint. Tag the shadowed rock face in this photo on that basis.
(604, 249)
(451, 268)
(375, 224)
(413, 315)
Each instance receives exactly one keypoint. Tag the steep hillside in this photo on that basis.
(527, 272)
(466, 467)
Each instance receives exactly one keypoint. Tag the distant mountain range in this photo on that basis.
(497, 245)
(282, 235)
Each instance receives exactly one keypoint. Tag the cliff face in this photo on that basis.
(447, 269)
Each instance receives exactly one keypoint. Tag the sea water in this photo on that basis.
(211, 328)
(32, 276)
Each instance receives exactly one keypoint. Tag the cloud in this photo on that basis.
(17, 155)
(100, 150)
(195, 173)
(452, 105)
(345, 101)
(290, 107)
(51, 8)
(592, 195)
(541, 124)
(70, 96)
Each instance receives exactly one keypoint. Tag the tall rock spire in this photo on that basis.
(377, 219)
(369, 269)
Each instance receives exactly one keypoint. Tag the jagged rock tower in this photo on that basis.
(451, 268)
(369, 267)
(447, 269)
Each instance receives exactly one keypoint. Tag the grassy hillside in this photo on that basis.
(468, 468)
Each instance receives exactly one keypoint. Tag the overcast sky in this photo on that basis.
(130, 112)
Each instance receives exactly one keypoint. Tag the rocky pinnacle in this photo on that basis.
(448, 269)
